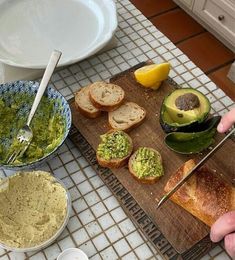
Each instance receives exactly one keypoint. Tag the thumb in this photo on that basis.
(227, 121)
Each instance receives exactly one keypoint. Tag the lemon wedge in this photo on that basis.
(151, 76)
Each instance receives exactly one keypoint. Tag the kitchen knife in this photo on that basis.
(180, 183)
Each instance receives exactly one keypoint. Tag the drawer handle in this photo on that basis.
(221, 17)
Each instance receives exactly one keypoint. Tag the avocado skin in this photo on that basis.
(193, 126)
(193, 142)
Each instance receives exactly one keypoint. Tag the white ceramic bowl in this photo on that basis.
(72, 254)
(31, 29)
(53, 238)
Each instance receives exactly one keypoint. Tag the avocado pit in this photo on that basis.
(187, 102)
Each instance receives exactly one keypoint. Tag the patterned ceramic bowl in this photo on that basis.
(9, 93)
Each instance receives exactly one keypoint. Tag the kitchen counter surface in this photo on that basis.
(98, 224)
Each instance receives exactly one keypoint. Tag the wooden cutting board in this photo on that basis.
(181, 229)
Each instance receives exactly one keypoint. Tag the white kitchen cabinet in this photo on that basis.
(220, 15)
(188, 3)
(217, 16)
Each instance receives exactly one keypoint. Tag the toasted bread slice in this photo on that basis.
(127, 116)
(147, 156)
(105, 96)
(84, 105)
(115, 162)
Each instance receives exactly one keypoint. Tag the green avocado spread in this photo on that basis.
(147, 163)
(114, 145)
(48, 127)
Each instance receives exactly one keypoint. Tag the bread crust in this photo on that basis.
(96, 113)
(204, 195)
(145, 180)
(100, 105)
(116, 163)
(105, 108)
(132, 126)
(86, 113)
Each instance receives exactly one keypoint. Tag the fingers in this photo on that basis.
(227, 121)
(229, 243)
(223, 226)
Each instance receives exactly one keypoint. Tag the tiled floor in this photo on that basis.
(200, 46)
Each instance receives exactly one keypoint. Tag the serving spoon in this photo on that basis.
(25, 134)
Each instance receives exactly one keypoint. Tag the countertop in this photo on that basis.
(98, 225)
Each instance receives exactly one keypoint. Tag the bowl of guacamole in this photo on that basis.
(50, 125)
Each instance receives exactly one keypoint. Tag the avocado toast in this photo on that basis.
(145, 165)
(115, 149)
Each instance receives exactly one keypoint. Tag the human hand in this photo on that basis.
(226, 121)
(224, 227)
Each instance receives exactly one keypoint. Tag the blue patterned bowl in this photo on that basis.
(9, 92)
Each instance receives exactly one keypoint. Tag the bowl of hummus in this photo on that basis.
(50, 125)
(35, 209)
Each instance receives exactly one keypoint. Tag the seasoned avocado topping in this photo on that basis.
(114, 145)
(187, 102)
(147, 163)
(47, 126)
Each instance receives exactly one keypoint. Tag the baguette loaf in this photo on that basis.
(84, 105)
(105, 96)
(112, 145)
(127, 116)
(204, 195)
(152, 173)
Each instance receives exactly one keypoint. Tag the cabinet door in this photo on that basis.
(188, 3)
(219, 15)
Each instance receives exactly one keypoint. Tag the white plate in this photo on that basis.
(31, 29)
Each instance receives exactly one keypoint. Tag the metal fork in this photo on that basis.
(25, 134)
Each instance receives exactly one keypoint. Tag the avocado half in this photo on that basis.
(174, 119)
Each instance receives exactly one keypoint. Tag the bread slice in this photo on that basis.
(127, 116)
(116, 162)
(84, 105)
(105, 96)
(204, 195)
(146, 179)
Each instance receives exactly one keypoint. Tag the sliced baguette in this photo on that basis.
(119, 162)
(126, 117)
(84, 105)
(205, 195)
(105, 96)
(147, 179)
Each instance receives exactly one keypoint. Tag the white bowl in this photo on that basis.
(56, 235)
(31, 29)
(72, 253)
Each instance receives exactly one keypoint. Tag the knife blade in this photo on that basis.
(193, 170)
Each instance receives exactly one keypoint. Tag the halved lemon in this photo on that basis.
(151, 76)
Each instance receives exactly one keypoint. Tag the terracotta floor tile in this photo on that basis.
(177, 25)
(153, 7)
(219, 77)
(206, 51)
